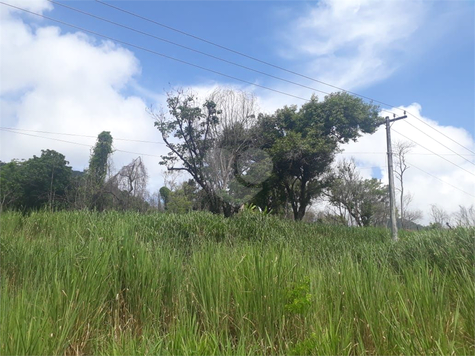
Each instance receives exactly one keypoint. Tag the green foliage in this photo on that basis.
(126, 283)
(36, 183)
(10, 184)
(97, 173)
(365, 200)
(165, 194)
(99, 157)
(303, 143)
(299, 298)
(195, 129)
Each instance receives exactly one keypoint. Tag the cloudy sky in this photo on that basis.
(416, 56)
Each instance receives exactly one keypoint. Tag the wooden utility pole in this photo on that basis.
(392, 200)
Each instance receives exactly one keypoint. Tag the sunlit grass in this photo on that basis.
(114, 283)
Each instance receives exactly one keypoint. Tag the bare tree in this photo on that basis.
(133, 178)
(129, 185)
(465, 216)
(439, 215)
(401, 149)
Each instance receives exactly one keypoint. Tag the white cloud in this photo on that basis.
(69, 82)
(38, 6)
(423, 178)
(353, 43)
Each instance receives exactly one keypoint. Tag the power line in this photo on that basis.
(445, 159)
(79, 135)
(74, 143)
(425, 133)
(163, 143)
(155, 52)
(188, 48)
(433, 128)
(49, 138)
(272, 65)
(176, 59)
(234, 51)
(149, 155)
(443, 181)
(409, 153)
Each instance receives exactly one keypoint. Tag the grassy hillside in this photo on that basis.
(87, 283)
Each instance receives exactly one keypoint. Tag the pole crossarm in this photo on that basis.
(398, 118)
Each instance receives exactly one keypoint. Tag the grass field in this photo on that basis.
(198, 284)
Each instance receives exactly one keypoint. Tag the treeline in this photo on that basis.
(48, 182)
(279, 163)
(232, 155)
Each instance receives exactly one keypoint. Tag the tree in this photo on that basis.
(129, 186)
(10, 184)
(365, 200)
(207, 140)
(98, 163)
(36, 183)
(165, 194)
(401, 150)
(465, 216)
(303, 143)
(98, 170)
(440, 217)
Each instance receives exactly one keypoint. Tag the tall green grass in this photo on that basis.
(123, 283)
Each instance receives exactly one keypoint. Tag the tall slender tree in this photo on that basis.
(98, 169)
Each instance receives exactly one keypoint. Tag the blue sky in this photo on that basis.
(416, 55)
(435, 68)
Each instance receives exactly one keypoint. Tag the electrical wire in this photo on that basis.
(79, 135)
(234, 51)
(445, 159)
(189, 48)
(443, 181)
(273, 65)
(176, 59)
(75, 143)
(150, 155)
(154, 52)
(163, 143)
(409, 153)
(425, 133)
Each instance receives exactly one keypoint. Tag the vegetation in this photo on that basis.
(217, 144)
(208, 140)
(128, 283)
(38, 182)
(303, 143)
(364, 202)
(282, 163)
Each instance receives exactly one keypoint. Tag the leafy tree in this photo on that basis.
(165, 194)
(303, 143)
(183, 198)
(179, 202)
(365, 200)
(10, 184)
(38, 182)
(45, 180)
(98, 163)
(98, 169)
(207, 140)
